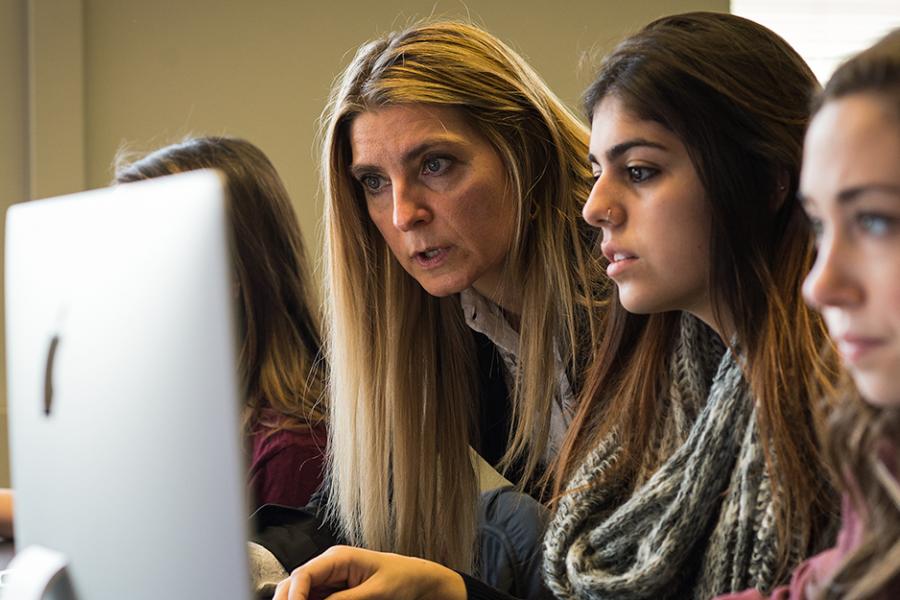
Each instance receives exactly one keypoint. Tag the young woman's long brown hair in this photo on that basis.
(280, 360)
(857, 431)
(742, 121)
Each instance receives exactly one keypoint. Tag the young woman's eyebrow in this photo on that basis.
(620, 149)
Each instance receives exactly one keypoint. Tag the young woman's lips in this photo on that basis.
(431, 258)
(619, 262)
(856, 349)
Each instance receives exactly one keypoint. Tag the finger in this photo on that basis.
(379, 586)
(332, 569)
(323, 593)
(368, 590)
(295, 587)
(281, 590)
(300, 586)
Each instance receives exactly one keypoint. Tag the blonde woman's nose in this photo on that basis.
(410, 208)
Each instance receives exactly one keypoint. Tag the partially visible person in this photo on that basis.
(281, 369)
(850, 187)
(692, 466)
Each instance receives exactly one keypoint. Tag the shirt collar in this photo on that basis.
(486, 318)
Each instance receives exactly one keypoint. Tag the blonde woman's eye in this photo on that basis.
(372, 183)
(435, 165)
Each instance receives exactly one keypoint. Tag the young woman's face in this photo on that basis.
(652, 208)
(438, 193)
(850, 187)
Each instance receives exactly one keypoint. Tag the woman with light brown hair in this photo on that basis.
(455, 258)
(850, 187)
(460, 286)
(462, 296)
(281, 368)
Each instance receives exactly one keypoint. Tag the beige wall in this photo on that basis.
(155, 71)
(13, 155)
(107, 73)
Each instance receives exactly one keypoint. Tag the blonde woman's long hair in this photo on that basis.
(861, 439)
(403, 388)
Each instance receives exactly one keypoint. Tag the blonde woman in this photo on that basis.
(460, 281)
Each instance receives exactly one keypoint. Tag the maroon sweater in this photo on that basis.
(285, 465)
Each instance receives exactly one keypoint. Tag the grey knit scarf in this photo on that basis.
(702, 524)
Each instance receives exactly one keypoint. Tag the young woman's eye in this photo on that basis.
(640, 174)
(876, 224)
(435, 165)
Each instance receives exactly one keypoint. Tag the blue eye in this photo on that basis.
(640, 174)
(371, 183)
(876, 224)
(435, 165)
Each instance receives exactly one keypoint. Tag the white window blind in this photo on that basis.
(824, 32)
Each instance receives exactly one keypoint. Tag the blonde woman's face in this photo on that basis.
(437, 191)
(850, 188)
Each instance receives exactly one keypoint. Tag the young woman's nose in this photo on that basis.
(601, 209)
(832, 282)
(410, 207)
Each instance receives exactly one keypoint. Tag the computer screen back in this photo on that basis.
(123, 403)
